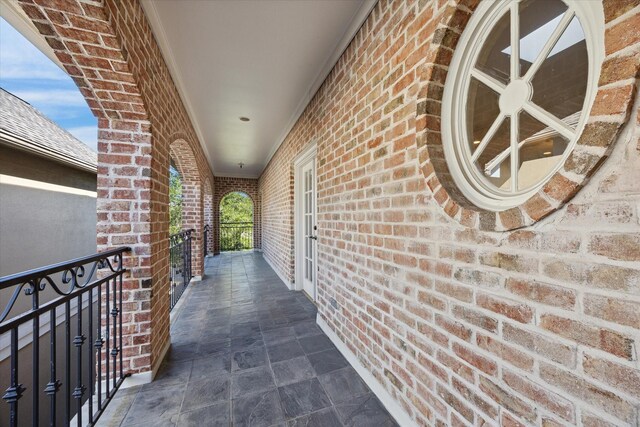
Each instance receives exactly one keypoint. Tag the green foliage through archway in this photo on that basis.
(236, 222)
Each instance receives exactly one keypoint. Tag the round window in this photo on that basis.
(517, 94)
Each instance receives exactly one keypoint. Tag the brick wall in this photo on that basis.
(109, 50)
(537, 326)
(226, 185)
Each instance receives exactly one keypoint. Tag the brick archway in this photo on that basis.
(109, 50)
(192, 198)
(224, 186)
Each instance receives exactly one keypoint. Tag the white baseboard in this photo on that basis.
(137, 379)
(290, 285)
(396, 411)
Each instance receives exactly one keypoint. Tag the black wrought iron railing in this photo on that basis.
(236, 236)
(74, 310)
(179, 265)
(205, 240)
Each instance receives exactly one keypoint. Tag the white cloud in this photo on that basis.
(52, 97)
(22, 60)
(86, 134)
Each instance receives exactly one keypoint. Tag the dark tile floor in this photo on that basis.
(246, 352)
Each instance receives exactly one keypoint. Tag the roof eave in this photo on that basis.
(7, 138)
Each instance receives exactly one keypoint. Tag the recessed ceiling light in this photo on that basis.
(244, 119)
(547, 153)
(476, 142)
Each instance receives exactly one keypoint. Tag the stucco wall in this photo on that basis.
(41, 224)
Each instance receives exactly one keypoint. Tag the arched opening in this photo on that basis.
(175, 200)
(183, 161)
(236, 214)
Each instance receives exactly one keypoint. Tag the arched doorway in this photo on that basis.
(236, 213)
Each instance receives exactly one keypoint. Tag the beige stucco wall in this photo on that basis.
(44, 225)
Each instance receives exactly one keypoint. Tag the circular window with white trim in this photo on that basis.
(517, 95)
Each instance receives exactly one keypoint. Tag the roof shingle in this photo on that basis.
(19, 119)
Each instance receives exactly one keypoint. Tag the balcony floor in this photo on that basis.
(246, 352)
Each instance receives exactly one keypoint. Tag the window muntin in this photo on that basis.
(517, 93)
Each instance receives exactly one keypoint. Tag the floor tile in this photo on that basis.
(364, 411)
(327, 361)
(323, 418)
(258, 410)
(171, 374)
(292, 370)
(156, 406)
(206, 391)
(343, 384)
(247, 338)
(315, 343)
(279, 335)
(284, 351)
(247, 359)
(308, 328)
(303, 398)
(251, 381)
(217, 415)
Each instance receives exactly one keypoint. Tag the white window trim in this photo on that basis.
(483, 20)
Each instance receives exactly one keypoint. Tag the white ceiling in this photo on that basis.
(263, 59)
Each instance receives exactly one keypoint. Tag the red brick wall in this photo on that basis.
(538, 326)
(226, 185)
(109, 50)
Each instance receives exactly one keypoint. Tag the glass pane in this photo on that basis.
(560, 84)
(541, 148)
(493, 163)
(482, 110)
(495, 56)
(537, 23)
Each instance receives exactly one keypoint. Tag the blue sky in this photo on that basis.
(29, 74)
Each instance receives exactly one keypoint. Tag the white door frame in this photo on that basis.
(305, 156)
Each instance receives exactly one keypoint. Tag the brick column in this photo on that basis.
(124, 213)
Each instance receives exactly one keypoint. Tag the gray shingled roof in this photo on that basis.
(33, 131)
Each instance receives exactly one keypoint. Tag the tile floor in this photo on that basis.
(245, 351)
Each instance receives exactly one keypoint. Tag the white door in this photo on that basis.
(309, 228)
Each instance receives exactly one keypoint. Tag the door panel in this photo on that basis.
(308, 221)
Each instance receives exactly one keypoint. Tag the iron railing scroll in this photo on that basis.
(74, 310)
(236, 236)
(205, 240)
(180, 273)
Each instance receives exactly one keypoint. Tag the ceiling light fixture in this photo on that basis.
(241, 165)
(547, 153)
(244, 119)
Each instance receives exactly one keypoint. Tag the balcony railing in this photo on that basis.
(236, 236)
(73, 310)
(179, 265)
(205, 240)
